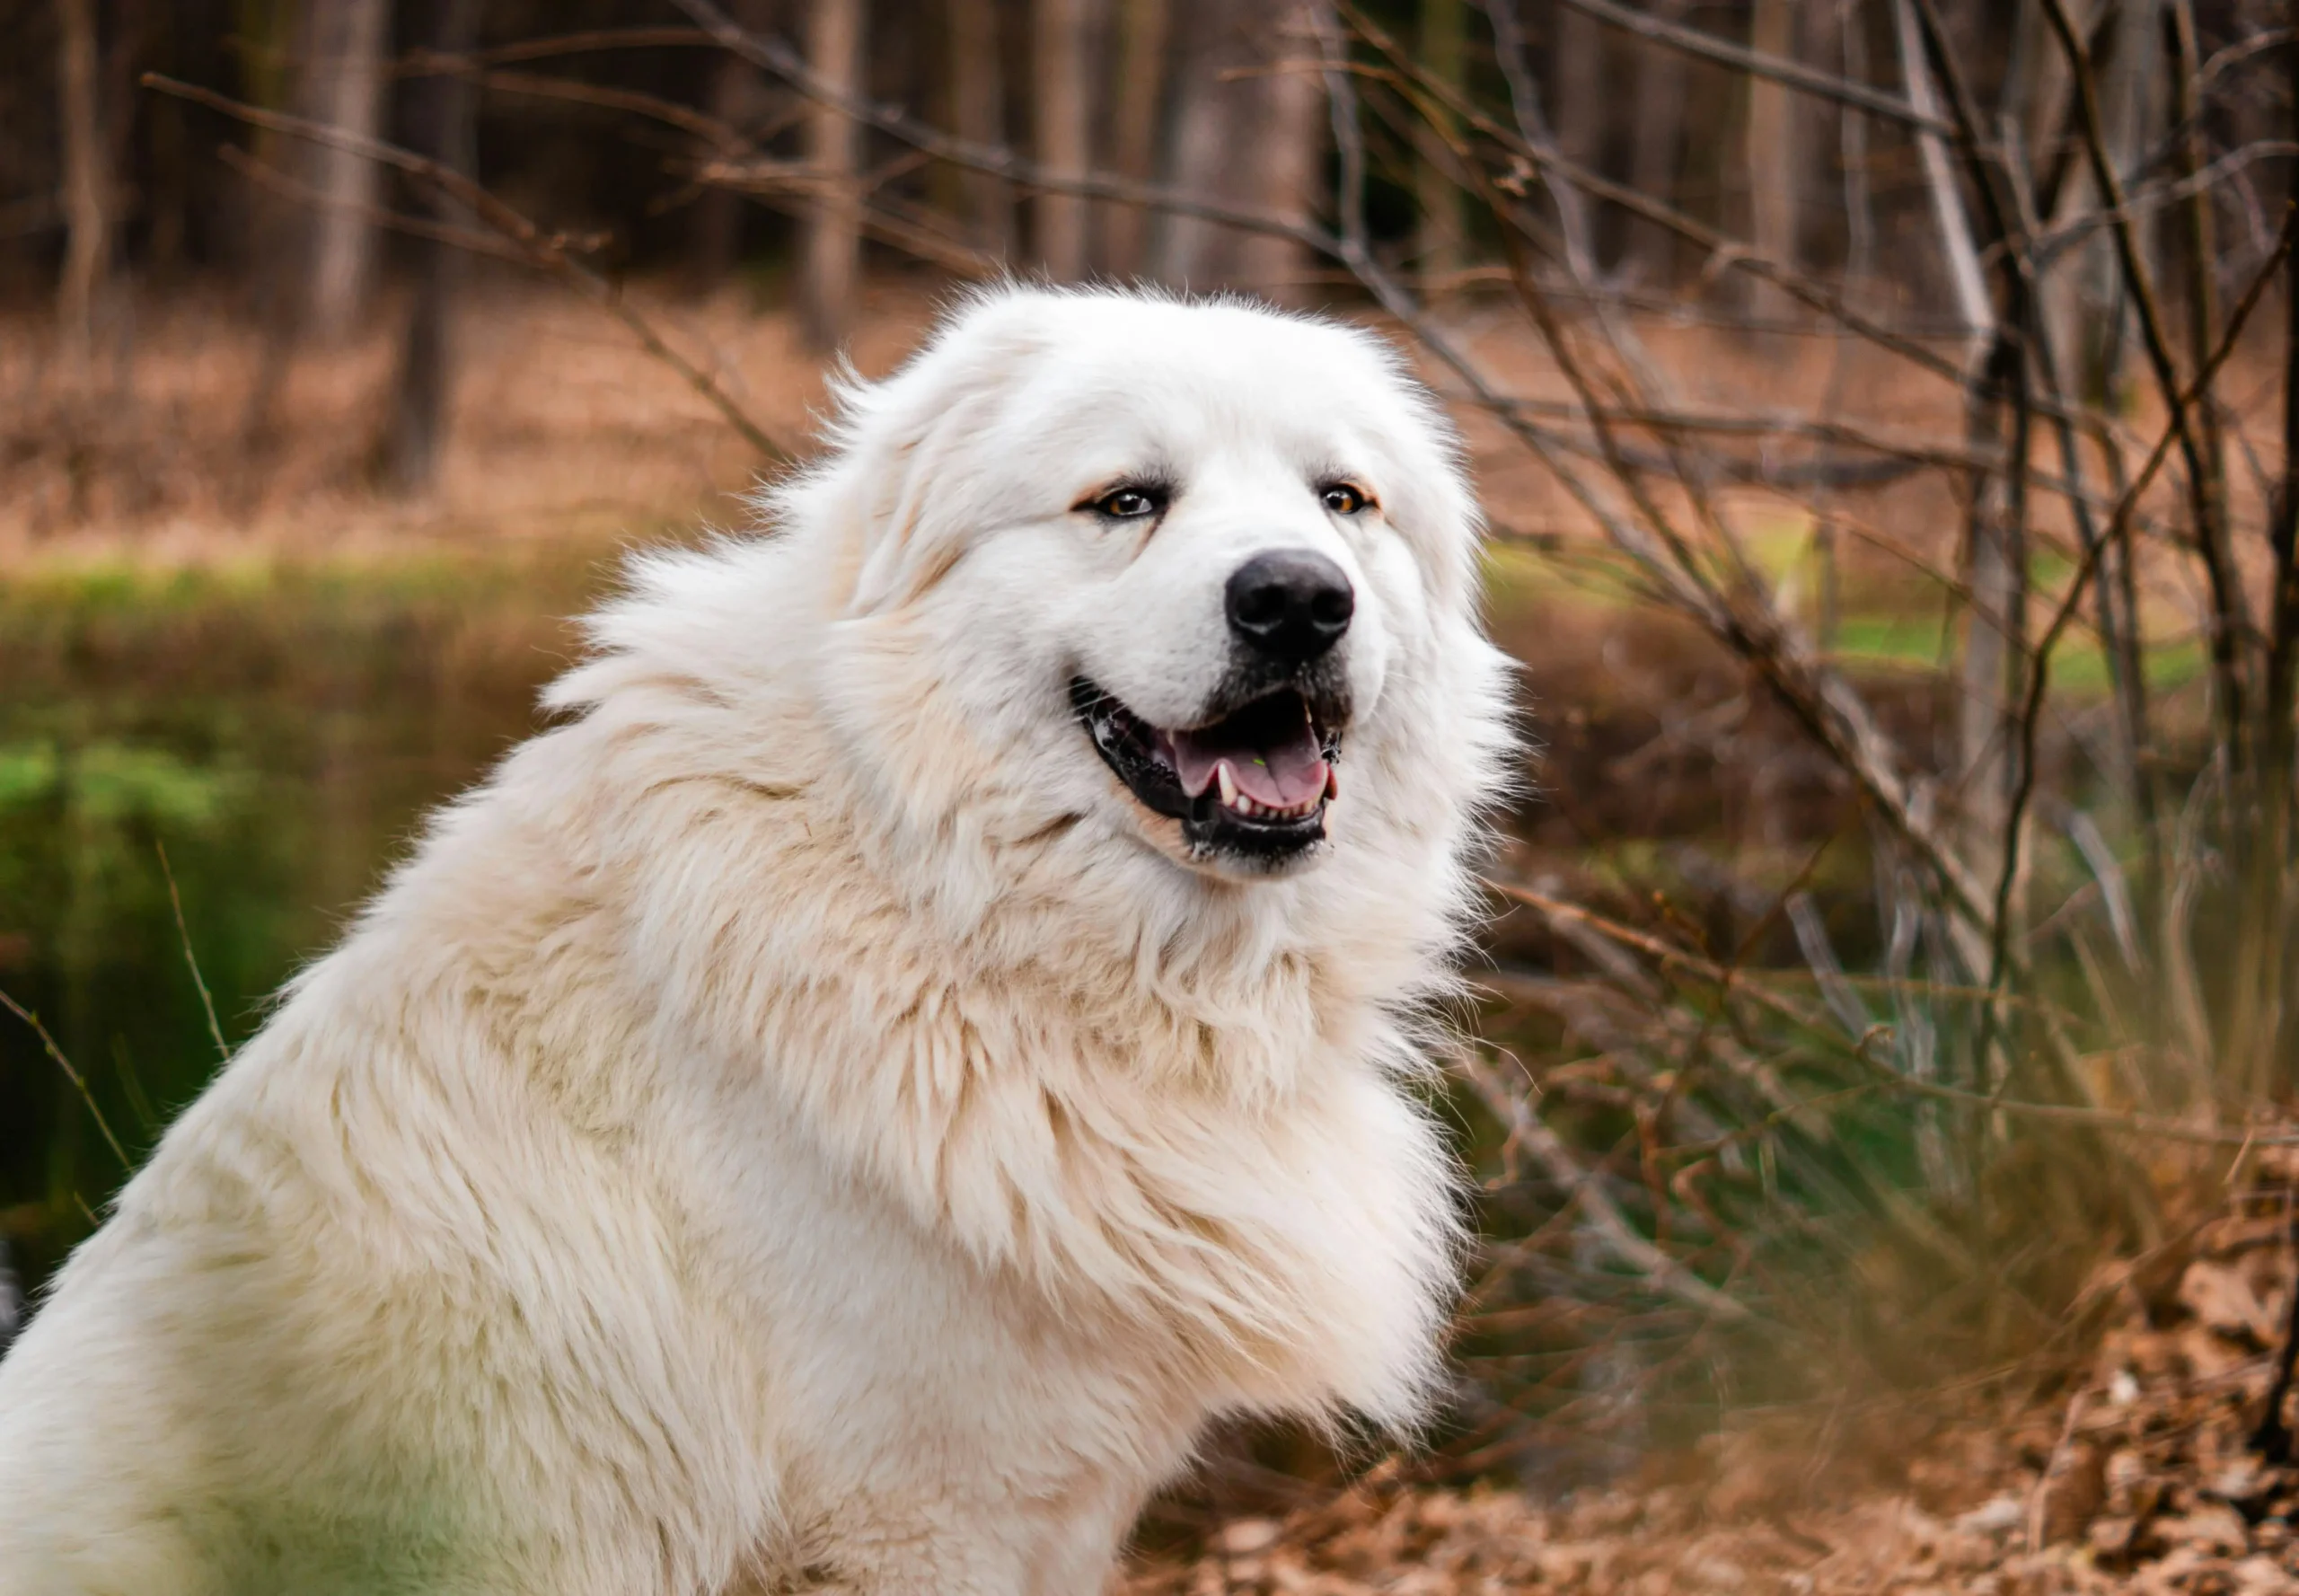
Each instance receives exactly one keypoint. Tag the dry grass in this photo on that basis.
(564, 428)
(2141, 1474)
(559, 410)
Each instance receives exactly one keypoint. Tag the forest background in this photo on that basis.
(1884, 409)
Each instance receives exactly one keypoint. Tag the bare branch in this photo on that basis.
(79, 1083)
(1795, 74)
(2031, 713)
(1583, 1187)
(2228, 605)
(272, 179)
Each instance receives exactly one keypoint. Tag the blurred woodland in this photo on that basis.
(632, 140)
(1888, 414)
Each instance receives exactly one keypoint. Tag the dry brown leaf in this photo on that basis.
(2211, 1355)
(2212, 1527)
(2222, 1299)
(1242, 1537)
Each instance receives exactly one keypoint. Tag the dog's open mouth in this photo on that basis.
(1255, 781)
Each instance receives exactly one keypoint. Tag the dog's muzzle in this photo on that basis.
(1251, 780)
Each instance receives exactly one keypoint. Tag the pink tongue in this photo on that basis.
(1285, 774)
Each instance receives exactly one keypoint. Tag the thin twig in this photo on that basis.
(49, 1043)
(1707, 47)
(708, 129)
(1642, 374)
(2228, 607)
(2145, 199)
(2152, 1127)
(2012, 336)
(1837, 718)
(276, 181)
(429, 63)
(2031, 713)
(191, 959)
(1582, 1187)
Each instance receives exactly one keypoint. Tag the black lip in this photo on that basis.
(1124, 741)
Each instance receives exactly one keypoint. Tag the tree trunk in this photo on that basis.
(2086, 317)
(345, 89)
(1582, 94)
(738, 98)
(978, 108)
(87, 210)
(1658, 152)
(1144, 27)
(2260, 1033)
(1286, 179)
(276, 230)
(1966, 280)
(1859, 192)
(832, 248)
(1997, 565)
(1443, 221)
(1244, 133)
(1059, 58)
(2092, 317)
(2039, 99)
(2035, 86)
(1774, 162)
(422, 393)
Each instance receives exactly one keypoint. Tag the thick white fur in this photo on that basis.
(801, 1124)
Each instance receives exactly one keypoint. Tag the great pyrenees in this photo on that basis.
(933, 1023)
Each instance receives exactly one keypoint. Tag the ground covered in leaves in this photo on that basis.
(2143, 1474)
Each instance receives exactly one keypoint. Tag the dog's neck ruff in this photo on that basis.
(1140, 1094)
(1130, 1140)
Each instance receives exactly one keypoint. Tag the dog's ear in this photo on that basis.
(910, 499)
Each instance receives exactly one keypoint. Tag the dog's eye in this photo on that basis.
(1341, 499)
(1129, 504)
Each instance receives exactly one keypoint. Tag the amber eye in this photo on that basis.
(1129, 504)
(1340, 498)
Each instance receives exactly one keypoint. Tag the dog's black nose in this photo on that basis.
(1289, 603)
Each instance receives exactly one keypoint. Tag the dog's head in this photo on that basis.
(1197, 576)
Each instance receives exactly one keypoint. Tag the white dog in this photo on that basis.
(933, 1026)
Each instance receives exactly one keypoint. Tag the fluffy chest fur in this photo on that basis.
(1200, 1155)
(1000, 1218)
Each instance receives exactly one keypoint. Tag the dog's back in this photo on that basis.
(378, 1317)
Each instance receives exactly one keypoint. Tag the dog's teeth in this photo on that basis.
(1229, 783)
(1333, 781)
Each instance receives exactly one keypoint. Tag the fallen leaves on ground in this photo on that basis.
(2143, 1477)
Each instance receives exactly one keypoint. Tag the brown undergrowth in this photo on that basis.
(562, 422)
(2140, 1472)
